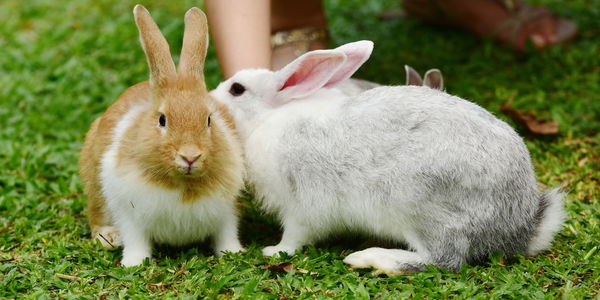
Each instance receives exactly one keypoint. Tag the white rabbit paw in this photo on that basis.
(385, 261)
(109, 237)
(274, 250)
(134, 259)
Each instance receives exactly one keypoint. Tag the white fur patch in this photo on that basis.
(550, 224)
(275, 193)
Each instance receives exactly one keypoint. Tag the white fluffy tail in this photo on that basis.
(549, 218)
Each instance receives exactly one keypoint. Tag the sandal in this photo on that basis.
(520, 14)
(521, 24)
(290, 44)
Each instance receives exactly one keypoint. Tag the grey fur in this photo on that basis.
(459, 179)
(408, 164)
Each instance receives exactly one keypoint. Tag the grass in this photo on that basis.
(63, 62)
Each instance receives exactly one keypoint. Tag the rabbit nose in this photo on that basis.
(190, 158)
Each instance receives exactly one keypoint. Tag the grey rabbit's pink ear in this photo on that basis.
(434, 79)
(356, 53)
(307, 74)
(412, 77)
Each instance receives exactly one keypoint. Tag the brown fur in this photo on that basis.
(182, 98)
(186, 118)
(97, 140)
(194, 47)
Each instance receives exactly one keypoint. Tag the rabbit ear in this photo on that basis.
(356, 55)
(195, 45)
(308, 73)
(155, 46)
(412, 77)
(434, 79)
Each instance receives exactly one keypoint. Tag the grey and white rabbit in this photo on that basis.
(408, 164)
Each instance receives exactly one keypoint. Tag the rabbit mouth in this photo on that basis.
(186, 170)
(190, 171)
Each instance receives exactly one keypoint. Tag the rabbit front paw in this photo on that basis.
(134, 259)
(134, 254)
(109, 237)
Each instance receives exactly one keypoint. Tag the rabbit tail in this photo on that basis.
(549, 219)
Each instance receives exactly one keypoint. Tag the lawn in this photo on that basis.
(63, 62)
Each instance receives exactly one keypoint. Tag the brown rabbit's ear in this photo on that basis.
(195, 44)
(155, 46)
(412, 77)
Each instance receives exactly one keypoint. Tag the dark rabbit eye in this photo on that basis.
(237, 89)
(208, 122)
(162, 120)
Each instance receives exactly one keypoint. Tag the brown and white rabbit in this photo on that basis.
(163, 164)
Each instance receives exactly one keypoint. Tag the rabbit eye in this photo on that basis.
(162, 120)
(237, 89)
(208, 121)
